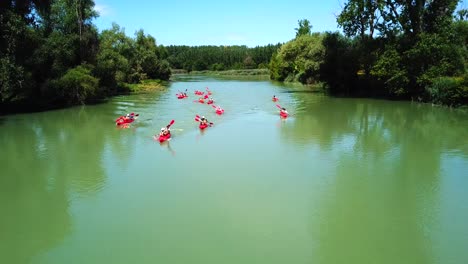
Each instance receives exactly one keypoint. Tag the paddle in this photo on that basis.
(168, 126)
(279, 106)
(170, 123)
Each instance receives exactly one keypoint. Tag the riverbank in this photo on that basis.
(31, 106)
(146, 86)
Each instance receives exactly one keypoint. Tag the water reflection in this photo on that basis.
(45, 159)
(385, 190)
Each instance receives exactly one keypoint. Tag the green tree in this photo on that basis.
(299, 59)
(304, 28)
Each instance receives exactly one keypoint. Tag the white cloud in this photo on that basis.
(103, 10)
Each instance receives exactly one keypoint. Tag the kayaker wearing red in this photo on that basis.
(203, 121)
(165, 131)
(284, 112)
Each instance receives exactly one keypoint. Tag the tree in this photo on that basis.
(304, 28)
(299, 59)
(360, 17)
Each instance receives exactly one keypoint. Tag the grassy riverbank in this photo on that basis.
(146, 86)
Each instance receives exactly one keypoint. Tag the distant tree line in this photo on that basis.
(219, 58)
(51, 55)
(395, 49)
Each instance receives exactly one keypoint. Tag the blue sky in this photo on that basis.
(203, 22)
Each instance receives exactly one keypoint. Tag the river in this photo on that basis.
(342, 180)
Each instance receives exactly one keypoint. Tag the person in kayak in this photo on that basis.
(284, 112)
(210, 101)
(165, 131)
(203, 121)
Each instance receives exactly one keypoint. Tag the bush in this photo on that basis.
(76, 86)
(451, 91)
(217, 67)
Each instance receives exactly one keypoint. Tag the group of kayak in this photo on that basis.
(165, 133)
(203, 96)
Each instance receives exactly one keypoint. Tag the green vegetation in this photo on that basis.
(220, 58)
(395, 49)
(146, 86)
(246, 72)
(51, 55)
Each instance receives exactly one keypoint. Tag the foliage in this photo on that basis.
(48, 47)
(304, 28)
(299, 59)
(219, 57)
(389, 70)
(339, 68)
(451, 91)
(76, 86)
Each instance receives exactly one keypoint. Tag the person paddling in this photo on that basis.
(283, 112)
(203, 121)
(165, 131)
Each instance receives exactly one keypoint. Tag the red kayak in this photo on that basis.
(181, 96)
(162, 138)
(274, 99)
(199, 92)
(203, 126)
(122, 121)
(283, 115)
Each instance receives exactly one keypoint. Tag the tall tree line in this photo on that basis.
(392, 48)
(51, 55)
(218, 58)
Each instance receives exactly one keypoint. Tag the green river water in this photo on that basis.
(340, 181)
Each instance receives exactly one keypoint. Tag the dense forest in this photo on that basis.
(394, 49)
(52, 55)
(218, 58)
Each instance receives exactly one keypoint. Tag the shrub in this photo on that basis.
(451, 91)
(76, 86)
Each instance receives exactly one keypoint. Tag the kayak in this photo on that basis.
(219, 111)
(283, 115)
(199, 92)
(181, 96)
(203, 126)
(274, 99)
(126, 119)
(201, 100)
(210, 102)
(122, 121)
(162, 138)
